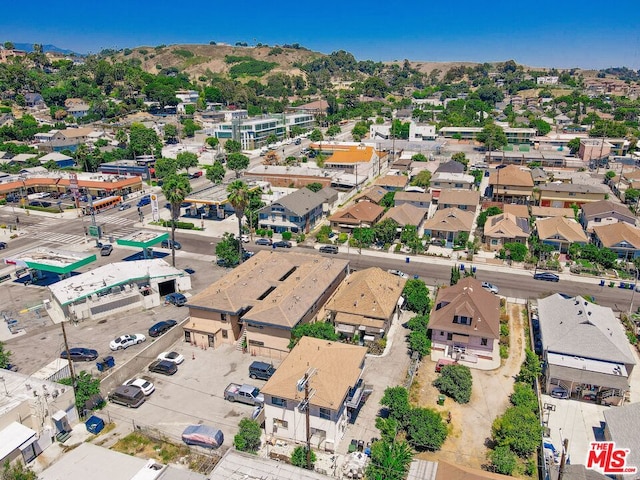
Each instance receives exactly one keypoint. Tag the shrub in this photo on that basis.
(504, 352)
(299, 457)
(286, 235)
(420, 343)
(524, 396)
(503, 460)
(419, 322)
(248, 437)
(455, 381)
(183, 53)
(519, 429)
(425, 429)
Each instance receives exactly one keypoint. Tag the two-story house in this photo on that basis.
(465, 322)
(620, 237)
(605, 212)
(466, 200)
(448, 223)
(417, 199)
(361, 214)
(298, 212)
(331, 374)
(560, 233)
(505, 228)
(446, 181)
(563, 195)
(511, 184)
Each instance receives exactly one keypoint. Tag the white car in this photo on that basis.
(174, 357)
(490, 287)
(146, 386)
(398, 273)
(245, 238)
(124, 341)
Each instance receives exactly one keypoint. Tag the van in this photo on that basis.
(146, 200)
(329, 249)
(127, 395)
(261, 370)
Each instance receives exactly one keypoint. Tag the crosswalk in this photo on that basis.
(112, 226)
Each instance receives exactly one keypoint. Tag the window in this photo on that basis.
(441, 333)
(187, 336)
(325, 413)
(494, 241)
(225, 334)
(256, 343)
(449, 336)
(277, 423)
(279, 402)
(223, 317)
(462, 320)
(483, 342)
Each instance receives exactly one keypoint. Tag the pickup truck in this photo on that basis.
(243, 393)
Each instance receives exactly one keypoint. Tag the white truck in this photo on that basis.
(243, 393)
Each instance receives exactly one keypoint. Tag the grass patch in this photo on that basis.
(140, 445)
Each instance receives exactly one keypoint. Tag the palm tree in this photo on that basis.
(239, 198)
(175, 189)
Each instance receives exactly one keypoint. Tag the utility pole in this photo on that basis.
(70, 362)
(563, 459)
(307, 414)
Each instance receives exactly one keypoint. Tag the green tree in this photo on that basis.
(390, 460)
(574, 145)
(316, 135)
(333, 130)
(9, 45)
(170, 132)
(17, 471)
(631, 195)
(514, 251)
(419, 342)
(5, 356)
(396, 399)
(237, 162)
(359, 130)
(215, 173)
(314, 186)
(492, 136)
(416, 295)
(388, 428)
(238, 196)
(322, 330)
(175, 189)
(187, 160)
(248, 437)
(541, 126)
(165, 167)
(122, 138)
(143, 141)
(364, 236)
(189, 127)
(419, 157)
(460, 157)
(213, 142)
(425, 429)
(387, 200)
(610, 174)
(419, 322)
(86, 386)
(455, 275)
(272, 138)
(519, 429)
(422, 179)
(503, 460)
(524, 396)
(385, 231)
(232, 146)
(299, 457)
(455, 381)
(409, 236)
(228, 249)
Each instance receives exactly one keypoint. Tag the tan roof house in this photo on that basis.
(333, 372)
(563, 195)
(465, 322)
(407, 214)
(366, 303)
(392, 183)
(448, 223)
(545, 212)
(521, 211)
(372, 194)
(261, 300)
(560, 232)
(417, 199)
(620, 237)
(605, 212)
(511, 184)
(505, 228)
(361, 214)
(462, 199)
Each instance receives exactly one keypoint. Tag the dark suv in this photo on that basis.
(261, 370)
(329, 249)
(161, 327)
(164, 367)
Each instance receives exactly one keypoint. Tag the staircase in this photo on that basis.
(241, 340)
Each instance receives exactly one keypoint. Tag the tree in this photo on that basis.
(237, 162)
(574, 145)
(419, 157)
(518, 429)
(165, 167)
(492, 136)
(213, 142)
(316, 135)
(610, 174)
(143, 141)
(387, 201)
(385, 231)
(272, 138)
(455, 275)
(189, 127)
(364, 236)
(122, 138)
(5, 356)
(631, 195)
(460, 157)
(390, 460)
(86, 386)
(455, 381)
(299, 457)
(425, 429)
(314, 186)
(228, 249)
(333, 130)
(514, 251)
(420, 343)
(215, 173)
(524, 396)
(232, 146)
(422, 179)
(540, 125)
(187, 160)
(396, 399)
(9, 45)
(409, 236)
(17, 471)
(322, 330)
(503, 460)
(416, 295)
(170, 132)
(175, 189)
(248, 437)
(419, 322)
(238, 196)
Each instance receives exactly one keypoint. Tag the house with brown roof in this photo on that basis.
(505, 228)
(333, 373)
(466, 200)
(465, 322)
(262, 299)
(546, 212)
(605, 212)
(448, 223)
(393, 183)
(417, 199)
(361, 214)
(372, 194)
(620, 237)
(560, 232)
(563, 195)
(521, 211)
(407, 214)
(366, 304)
(511, 184)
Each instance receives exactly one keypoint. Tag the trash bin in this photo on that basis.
(441, 399)
(602, 283)
(100, 366)
(110, 361)
(94, 424)
(406, 259)
(462, 266)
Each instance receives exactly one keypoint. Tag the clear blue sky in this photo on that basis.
(586, 34)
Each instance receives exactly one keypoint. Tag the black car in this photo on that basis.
(329, 249)
(261, 370)
(548, 276)
(3, 245)
(168, 243)
(106, 250)
(164, 367)
(77, 354)
(263, 241)
(161, 327)
(282, 244)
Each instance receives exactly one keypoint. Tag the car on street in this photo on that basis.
(161, 327)
(297, 141)
(3, 245)
(398, 273)
(167, 244)
(224, 263)
(145, 385)
(282, 244)
(78, 354)
(124, 206)
(247, 254)
(125, 341)
(559, 392)
(263, 241)
(177, 299)
(490, 287)
(190, 271)
(174, 357)
(328, 249)
(547, 276)
(164, 367)
(106, 250)
(245, 238)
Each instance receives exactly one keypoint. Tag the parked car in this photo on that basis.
(3, 245)
(190, 271)
(490, 287)
(282, 244)
(127, 395)
(164, 367)
(246, 254)
(106, 250)
(398, 273)
(167, 244)
(202, 436)
(559, 392)
(124, 206)
(125, 341)
(174, 357)
(145, 385)
(263, 241)
(442, 362)
(245, 238)
(329, 249)
(261, 370)
(146, 200)
(176, 299)
(80, 354)
(548, 276)
(297, 141)
(161, 327)
(244, 394)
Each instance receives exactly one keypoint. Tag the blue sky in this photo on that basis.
(542, 33)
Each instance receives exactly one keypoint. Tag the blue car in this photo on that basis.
(176, 299)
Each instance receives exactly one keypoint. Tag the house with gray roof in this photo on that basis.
(621, 426)
(605, 212)
(585, 349)
(298, 212)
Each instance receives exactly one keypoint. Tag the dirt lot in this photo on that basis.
(470, 428)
